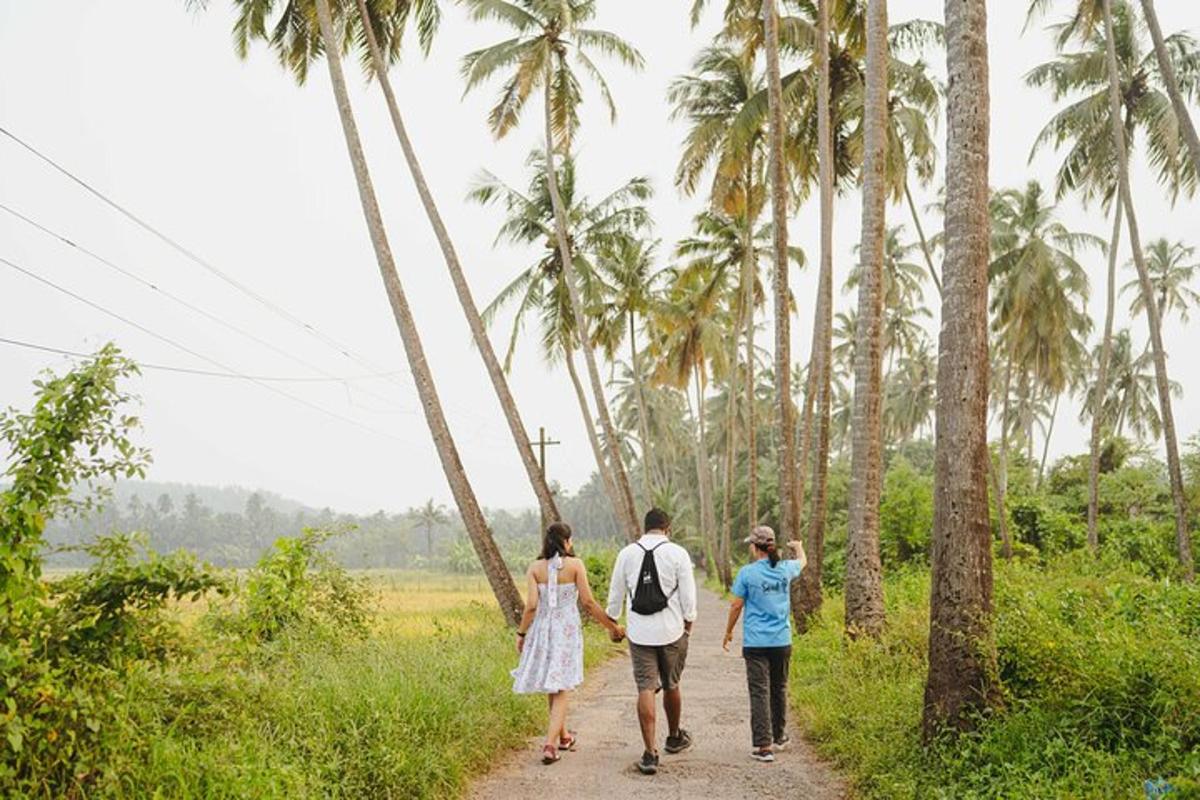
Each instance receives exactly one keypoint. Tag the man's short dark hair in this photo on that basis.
(657, 520)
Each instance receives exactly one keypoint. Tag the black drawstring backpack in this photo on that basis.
(648, 595)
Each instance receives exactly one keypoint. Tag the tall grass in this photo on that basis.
(411, 712)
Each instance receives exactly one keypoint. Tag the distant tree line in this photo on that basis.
(232, 526)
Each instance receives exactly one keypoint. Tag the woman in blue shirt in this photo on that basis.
(763, 589)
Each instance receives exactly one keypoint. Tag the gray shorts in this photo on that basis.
(658, 666)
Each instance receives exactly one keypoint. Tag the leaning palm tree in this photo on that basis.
(864, 570)
(550, 44)
(379, 26)
(962, 654)
(1086, 128)
(1171, 271)
(1171, 82)
(1183, 539)
(298, 42)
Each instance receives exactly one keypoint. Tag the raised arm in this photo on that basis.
(615, 631)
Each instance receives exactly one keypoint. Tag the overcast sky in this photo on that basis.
(149, 104)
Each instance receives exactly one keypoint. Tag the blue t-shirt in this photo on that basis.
(768, 619)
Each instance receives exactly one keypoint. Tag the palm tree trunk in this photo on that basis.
(495, 372)
(806, 592)
(494, 567)
(1046, 444)
(864, 568)
(1101, 389)
(779, 218)
(962, 654)
(643, 417)
(1183, 541)
(1001, 477)
(1167, 70)
(706, 504)
(916, 218)
(699, 457)
(751, 420)
(806, 437)
(597, 451)
(626, 511)
(724, 549)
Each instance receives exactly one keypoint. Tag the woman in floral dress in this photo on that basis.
(549, 637)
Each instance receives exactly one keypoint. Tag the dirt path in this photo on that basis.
(715, 710)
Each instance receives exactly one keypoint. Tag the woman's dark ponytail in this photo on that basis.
(555, 539)
(772, 553)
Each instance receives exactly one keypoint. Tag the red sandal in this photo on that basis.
(568, 742)
(550, 754)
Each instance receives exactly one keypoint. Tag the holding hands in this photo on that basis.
(617, 633)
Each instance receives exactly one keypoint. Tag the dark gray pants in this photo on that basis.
(767, 676)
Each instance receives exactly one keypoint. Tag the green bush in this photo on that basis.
(905, 514)
(297, 587)
(1101, 676)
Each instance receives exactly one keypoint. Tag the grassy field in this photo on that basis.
(412, 711)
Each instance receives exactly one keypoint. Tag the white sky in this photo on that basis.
(150, 104)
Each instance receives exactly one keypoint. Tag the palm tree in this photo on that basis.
(1038, 306)
(1113, 75)
(864, 570)
(373, 28)
(626, 264)
(911, 392)
(1169, 279)
(1183, 541)
(548, 35)
(1171, 82)
(428, 517)
(691, 331)
(541, 288)
(1129, 403)
(962, 655)
(777, 170)
(728, 135)
(298, 43)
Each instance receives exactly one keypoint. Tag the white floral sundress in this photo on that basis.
(552, 658)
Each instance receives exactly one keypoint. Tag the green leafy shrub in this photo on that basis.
(297, 587)
(1040, 525)
(112, 611)
(905, 514)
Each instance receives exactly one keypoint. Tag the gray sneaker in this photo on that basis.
(763, 754)
(679, 742)
(649, 763)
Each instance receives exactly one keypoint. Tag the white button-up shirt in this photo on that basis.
(675, 574)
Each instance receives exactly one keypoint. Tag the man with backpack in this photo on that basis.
(653, 577)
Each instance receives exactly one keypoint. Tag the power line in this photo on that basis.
(182, 370)
(191, 256)
(196, 259)
(191, 306)
(184, 348)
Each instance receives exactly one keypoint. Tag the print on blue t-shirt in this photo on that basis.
(768, 620)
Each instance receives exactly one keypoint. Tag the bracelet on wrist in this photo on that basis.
(521, 634)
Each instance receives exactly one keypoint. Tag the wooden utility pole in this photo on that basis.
(542, 443)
